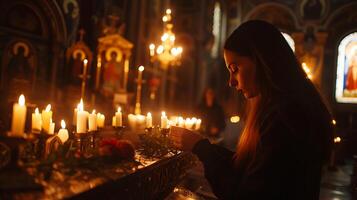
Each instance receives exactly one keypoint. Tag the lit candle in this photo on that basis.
(92, 121)
(181, 122)
(148, 120)
(164, 120)
(46, 118)
(36, 121)
(51, 131)
(100, 120)
(18, 117)
(81, 118)
(114, 121)
(152, 49)
(188, 123)
(118, 117)
(63, 132)
(198, 124)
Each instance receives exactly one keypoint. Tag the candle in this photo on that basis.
(181, 122)
(18, 117)
(114, 121)
(100, 120)
(148, 120)
(92, 121)
(63, 132)
(152, 49)
(81, 118)
(188, 123)
(198, 124)
(118, 117)
(51, 131)
(46, 118)
(164, 120)
(36, 121)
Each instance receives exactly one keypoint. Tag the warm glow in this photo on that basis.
(80, 106)
(164, 19)
(85, 61)
(149, 114)
(160, 49)
(93, 111)
(22, 100)
(179, 50)
(307, 70)
(334, 122)
(141, 68)
(172, 38)
(36, 111)
(168, 11)
(63, 124)
(163, 114)
(164, 37)
(151, 46)
(119, 109)
(235, 119)
(337, 140)
(48, 108)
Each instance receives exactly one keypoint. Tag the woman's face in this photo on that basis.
(242, 73)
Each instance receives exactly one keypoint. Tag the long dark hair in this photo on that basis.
(278, 73)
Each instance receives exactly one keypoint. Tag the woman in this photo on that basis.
(212, 114)
(288, 130)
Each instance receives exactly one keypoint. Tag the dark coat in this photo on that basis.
(288, 162)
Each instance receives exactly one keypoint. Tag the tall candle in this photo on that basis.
(46, 118)
(188, 123)
(164, 120)
(148, 120)
(63, 132)
(18, 117)
(118, 117)
(92, 121)
(36, 121)
(81, 118)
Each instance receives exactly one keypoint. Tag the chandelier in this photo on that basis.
(166, 52)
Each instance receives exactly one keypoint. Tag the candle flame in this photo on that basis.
(334, 122)
(235, 119)
(149, 114)
(141, 68)
(63, 124)
(119, 109)
(48, 107)
(93, 111)
(337, 139)
(163, 114)
(36, 111)
(85, 61)
(80, 106)
(22, 100)
(168, 11)
(152, 46)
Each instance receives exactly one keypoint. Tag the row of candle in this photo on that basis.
(86, 121)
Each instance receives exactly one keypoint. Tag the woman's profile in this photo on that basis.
(288, 130)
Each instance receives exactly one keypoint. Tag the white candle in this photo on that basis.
(51, 131)
(81, 118)
(46, 118)
(100, 120)
(164, 120)
(148, 120)
(140, 121)
(119, 119)
(114, 121)
(92, 121)
(188, 123)
(18, 117)
(198, 124)
(181, 122)
(36, 121)
(63, 132)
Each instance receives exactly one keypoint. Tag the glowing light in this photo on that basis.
(80, 106)
(63, 124)
(48, 107)
(85, 61)
(337, 140)
(141, 68)
(334, 122)
(36, 111)
(119, 109)
(164, 37)
(160, 49)
(168, 11)
(235, 119)
(151, 46)
(163, 114)
(22, 100)
(93, 111)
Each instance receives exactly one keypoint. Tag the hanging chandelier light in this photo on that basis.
(166, 52)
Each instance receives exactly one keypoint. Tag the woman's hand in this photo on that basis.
(184, 139)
